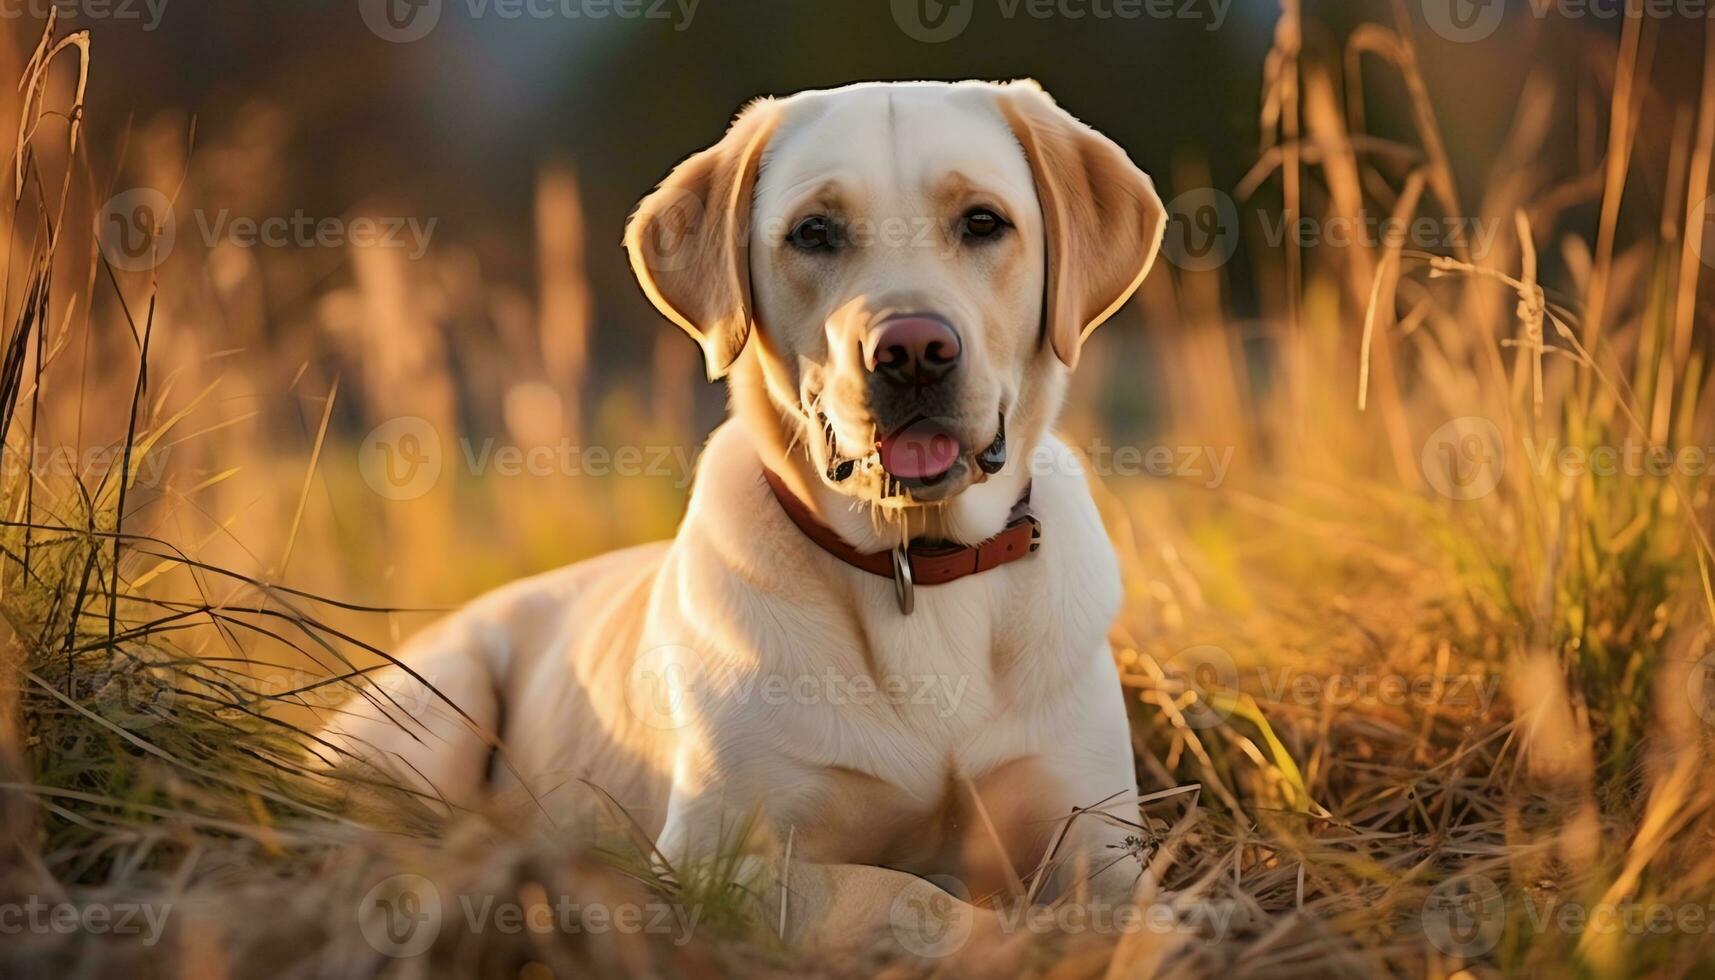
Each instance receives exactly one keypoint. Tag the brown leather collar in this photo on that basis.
(923, 563)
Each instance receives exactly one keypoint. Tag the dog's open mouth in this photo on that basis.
(922, 449)
(919, 455)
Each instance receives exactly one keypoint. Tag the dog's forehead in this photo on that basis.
(893, 138)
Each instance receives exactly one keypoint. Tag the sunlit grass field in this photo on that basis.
(1421, 681)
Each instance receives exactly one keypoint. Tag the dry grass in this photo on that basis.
(1403, 695)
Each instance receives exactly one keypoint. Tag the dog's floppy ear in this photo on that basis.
(689, 240)
(1102, 217)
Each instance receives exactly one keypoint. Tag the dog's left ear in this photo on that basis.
(1102, 217)
(689, 240)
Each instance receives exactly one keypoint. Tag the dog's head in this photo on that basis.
(898, 277)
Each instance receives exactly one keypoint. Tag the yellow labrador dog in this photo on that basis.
(882, 627)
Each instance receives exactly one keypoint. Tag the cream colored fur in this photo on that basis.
(737, 668)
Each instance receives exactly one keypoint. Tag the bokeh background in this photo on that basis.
(519, 137)
(397, 426)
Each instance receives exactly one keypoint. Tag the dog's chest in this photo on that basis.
(954, 690)
(973, 828)
(947, 771)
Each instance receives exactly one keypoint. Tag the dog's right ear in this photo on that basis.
(689, 240)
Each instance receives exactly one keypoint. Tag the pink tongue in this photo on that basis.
(921, 450)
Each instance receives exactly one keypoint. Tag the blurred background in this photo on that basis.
(504, 143)
(368, 251)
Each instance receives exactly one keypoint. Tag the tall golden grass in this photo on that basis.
(1552, 631)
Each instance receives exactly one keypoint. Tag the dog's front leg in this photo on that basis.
(1100, 857)
(713, 824)
(827, 907)
(1095, 767)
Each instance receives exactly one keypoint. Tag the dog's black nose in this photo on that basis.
(912, 350)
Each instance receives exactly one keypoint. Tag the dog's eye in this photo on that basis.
(813, 234)
(983, 223)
